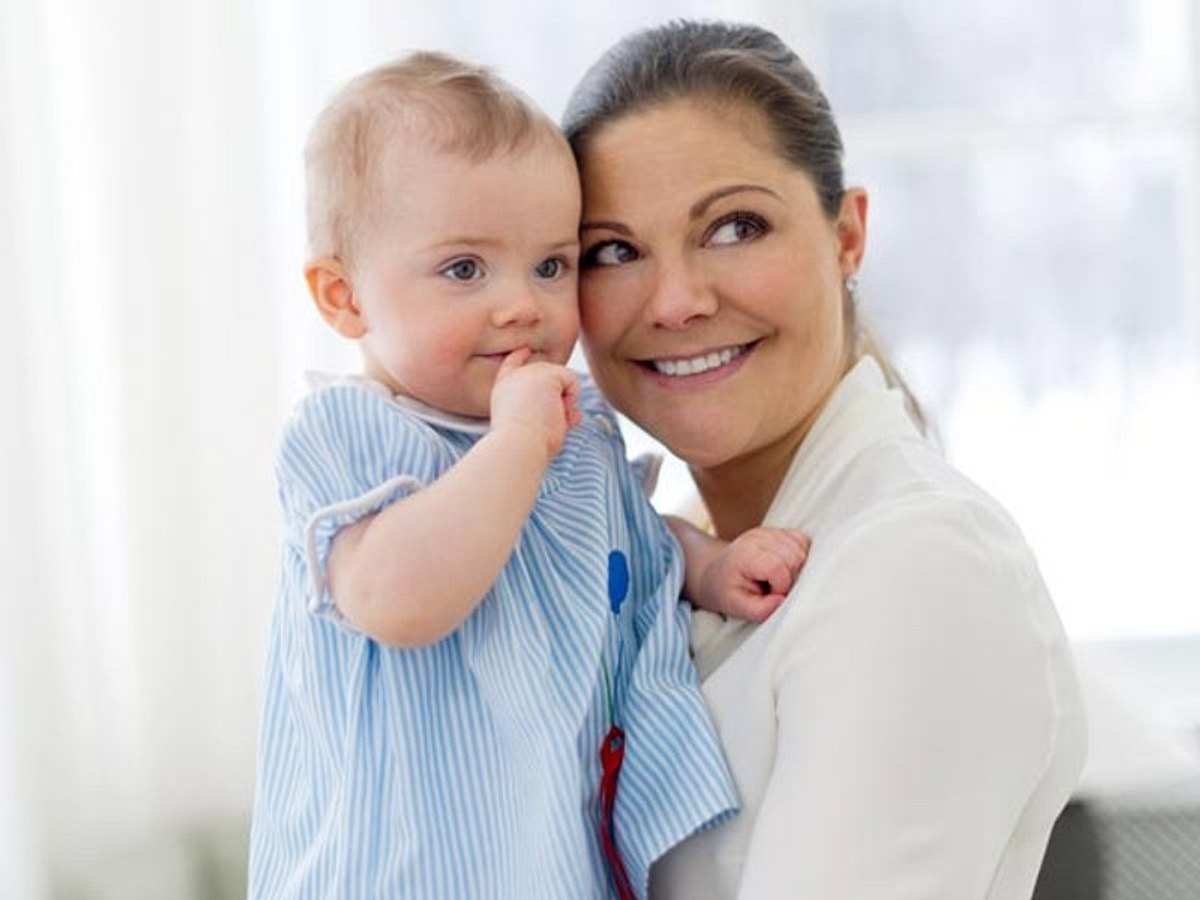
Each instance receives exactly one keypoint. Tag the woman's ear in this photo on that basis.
(333, 295)
(852, 230)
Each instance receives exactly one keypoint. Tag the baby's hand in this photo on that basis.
(753, 574)
(539, 397)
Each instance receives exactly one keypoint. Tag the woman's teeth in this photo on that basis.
(698, 364)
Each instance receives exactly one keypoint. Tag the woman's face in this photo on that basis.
(711, 286)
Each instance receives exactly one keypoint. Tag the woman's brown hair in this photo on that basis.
(744, 64)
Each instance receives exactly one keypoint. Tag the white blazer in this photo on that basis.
(908, 724)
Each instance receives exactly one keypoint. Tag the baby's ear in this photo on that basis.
(333, 295)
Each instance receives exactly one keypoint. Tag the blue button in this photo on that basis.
(618, 580)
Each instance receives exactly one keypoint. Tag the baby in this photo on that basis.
(477, 628)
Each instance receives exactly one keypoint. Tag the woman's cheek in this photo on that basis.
(599, 316)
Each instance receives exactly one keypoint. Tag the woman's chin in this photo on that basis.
(700, 445)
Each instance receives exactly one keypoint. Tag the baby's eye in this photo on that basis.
(736, 228)
(550, 268)
(463, 270)
(608, 253)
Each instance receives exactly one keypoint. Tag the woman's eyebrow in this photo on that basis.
(699, 207)
(607, 226)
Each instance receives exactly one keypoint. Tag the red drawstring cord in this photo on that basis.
(612, 753)
(612, 750)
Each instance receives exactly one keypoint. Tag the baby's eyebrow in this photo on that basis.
(465, 240)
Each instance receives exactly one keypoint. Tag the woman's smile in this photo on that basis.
(698, 368)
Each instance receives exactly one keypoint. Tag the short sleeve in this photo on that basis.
(346, 453)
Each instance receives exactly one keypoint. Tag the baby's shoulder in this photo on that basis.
(592, 403)
(356, 419)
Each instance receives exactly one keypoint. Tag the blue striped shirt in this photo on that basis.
(470, 768)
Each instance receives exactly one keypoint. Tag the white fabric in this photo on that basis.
(908, 725)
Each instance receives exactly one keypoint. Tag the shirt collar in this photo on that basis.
(423, 411)
(862, 410)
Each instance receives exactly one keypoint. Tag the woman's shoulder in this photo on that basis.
(901, 532)
(935, 585)
(900, 490)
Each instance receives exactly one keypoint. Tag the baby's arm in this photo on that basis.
(746, 578)
(411, 573)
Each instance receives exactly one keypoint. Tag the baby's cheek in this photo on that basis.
(562, 341)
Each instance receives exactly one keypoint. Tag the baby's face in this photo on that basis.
(468, 261)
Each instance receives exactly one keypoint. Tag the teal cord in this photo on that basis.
(612, 713)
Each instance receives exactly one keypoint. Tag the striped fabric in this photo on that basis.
(470, 768)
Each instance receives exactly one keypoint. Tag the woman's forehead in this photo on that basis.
(679, 152)
(688, 124)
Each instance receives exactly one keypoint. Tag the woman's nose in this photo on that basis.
(679, 298)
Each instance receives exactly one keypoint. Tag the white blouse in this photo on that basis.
(908, 724)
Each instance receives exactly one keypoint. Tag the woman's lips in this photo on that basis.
(699, 368)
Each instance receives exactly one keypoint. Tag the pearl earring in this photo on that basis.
(851, 283)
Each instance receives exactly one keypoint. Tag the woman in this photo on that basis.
(908, 723)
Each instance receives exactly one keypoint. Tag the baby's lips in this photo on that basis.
(513, 359)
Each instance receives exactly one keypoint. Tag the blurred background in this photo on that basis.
(1033, 263)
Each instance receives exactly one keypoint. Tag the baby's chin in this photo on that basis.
(462, 404)
(467, 408)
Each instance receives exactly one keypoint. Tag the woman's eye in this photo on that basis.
(463, 270)
(737, 228)
(550, 268)
(609, 253)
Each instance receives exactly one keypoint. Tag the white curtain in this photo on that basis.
(141, 349)
(154, 336)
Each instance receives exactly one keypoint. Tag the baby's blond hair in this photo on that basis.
(428, 98)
